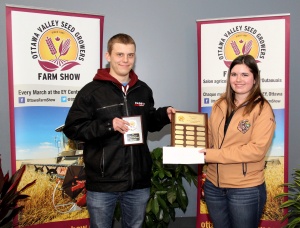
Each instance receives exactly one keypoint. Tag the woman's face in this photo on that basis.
(241, 81)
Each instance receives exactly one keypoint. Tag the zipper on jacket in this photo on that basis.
(102, 163)
(110, 106)
(125, 93)
(125, 99)
(218, 178)
(130, 148)
(244, 165)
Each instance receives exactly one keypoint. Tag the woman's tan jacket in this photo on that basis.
(238, 159)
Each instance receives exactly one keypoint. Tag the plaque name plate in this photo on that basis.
(189, 129)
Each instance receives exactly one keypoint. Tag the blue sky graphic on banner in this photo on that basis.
(37, 137)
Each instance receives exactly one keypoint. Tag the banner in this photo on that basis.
(267, 39)
(51, 55)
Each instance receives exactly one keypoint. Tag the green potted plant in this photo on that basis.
(291, 201)
(167, 192)
(10, 195)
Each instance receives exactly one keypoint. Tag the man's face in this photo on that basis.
(121, 60)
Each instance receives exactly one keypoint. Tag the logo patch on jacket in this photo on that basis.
(139, 104)
(244, 126)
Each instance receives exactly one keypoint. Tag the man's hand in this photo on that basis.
(120, 125)
(170, 110)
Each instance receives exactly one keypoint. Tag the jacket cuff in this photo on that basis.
(109, 127)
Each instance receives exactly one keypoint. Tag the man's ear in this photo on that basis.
(107, 56)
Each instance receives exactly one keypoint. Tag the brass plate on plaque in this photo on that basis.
(189, 129)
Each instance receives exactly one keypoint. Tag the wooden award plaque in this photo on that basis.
(189, 129)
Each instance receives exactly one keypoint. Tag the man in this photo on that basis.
(116, 170)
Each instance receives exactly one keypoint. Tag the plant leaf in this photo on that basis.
(172, 213)
(227, 63)
(162, 203)
(166, 218)
(171, 196)
(158, 164)
(28, 185)
(283, 195)
(149, 205)
(157, 153)
(160, 215)
(4, 184)
(182, 198)
(294, 222)
(161, 174)
(155, 205)
(168, 173)
(9, 217)
(287, 204)
(47, 66)
(161, 192)
(149, 221)
(69, 65)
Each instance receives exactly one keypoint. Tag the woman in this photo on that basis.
(241, 129)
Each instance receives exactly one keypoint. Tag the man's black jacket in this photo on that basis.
(109, 165)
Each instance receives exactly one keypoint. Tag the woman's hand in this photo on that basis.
(203, 151)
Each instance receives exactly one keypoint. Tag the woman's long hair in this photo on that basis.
(255, 96)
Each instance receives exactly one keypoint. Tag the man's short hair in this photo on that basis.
(119, 38)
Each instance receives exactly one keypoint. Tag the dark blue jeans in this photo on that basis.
(235, 207)
(101, 206)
